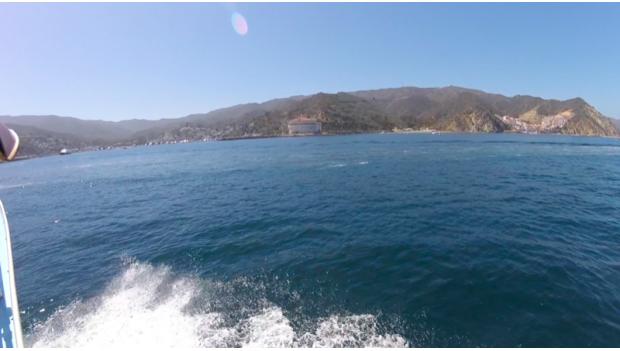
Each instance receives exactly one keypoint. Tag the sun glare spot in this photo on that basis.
(240, 25)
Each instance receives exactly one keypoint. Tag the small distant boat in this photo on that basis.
(64, 151)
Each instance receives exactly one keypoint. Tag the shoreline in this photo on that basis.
(390, 132)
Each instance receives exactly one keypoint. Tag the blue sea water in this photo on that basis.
(362, 240)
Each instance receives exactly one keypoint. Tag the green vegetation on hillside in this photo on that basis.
(450, 109)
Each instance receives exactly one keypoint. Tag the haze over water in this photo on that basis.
(364, 240)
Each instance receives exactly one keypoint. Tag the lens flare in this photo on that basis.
(240, 25)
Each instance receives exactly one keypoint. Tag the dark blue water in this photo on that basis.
(384, 240)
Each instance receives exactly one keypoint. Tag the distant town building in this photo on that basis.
(304, 126)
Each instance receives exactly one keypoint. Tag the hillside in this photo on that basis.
(449, 109)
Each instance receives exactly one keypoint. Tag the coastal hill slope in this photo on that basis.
(449, 109)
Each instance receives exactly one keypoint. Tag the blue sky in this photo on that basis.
(120, 61)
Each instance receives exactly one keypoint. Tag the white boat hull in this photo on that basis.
(10, 323)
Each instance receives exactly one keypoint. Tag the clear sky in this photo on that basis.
(119, 61)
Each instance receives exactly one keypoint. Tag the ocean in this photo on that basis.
(360, 240)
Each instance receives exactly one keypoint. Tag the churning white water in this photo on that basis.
(148, 306)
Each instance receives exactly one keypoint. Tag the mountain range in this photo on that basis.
(450, 108)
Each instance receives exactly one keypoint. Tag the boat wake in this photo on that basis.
(149, 306)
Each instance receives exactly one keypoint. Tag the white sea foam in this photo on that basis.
(149, 306)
